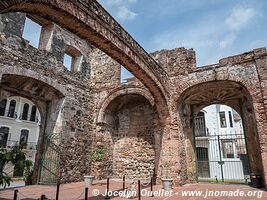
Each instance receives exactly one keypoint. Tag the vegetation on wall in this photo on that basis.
(98, 154)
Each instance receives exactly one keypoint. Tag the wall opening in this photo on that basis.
(17, 129)
(72, 59)
(32, 32)
(126, 76)
(68, 61)
(42, 99)
(221, 93)
(221, 153)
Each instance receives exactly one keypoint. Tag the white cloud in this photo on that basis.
(227, 41)
(120, 9)
(125, 13)
(239, 18)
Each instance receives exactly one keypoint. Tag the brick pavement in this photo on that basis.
(75, 191)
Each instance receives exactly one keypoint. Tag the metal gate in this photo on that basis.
(49, 164)
(222, 158)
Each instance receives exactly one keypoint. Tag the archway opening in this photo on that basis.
(220, 145)
(224, 93)
(18, 127)
(32, 108)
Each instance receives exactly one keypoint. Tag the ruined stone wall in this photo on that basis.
(129, 137)
(134, 142)
(177, 61)
(71, 113)
(135, 139)
(204, 86)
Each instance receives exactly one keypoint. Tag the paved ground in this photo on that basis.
(75, 191)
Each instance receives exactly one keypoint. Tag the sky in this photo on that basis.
(213, 28)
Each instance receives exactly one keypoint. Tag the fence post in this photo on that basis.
(43, 197)
(15, 195)
(123, 182)
(86, 194)
(139, 190)
(57, 194)
(107, 196)
(151, 187)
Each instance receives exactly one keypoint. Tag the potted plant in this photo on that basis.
(28, 172)
(96, 156)
(166, 179)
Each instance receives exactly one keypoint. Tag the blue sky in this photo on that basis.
(213, 28)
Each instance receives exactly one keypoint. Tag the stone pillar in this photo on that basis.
(261, 116)
(170, 164)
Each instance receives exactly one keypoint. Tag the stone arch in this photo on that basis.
(22, 72)
(45, 93)
(226, 92)
(208, 75)
(120, 92)
(91, 22)
(128, 122)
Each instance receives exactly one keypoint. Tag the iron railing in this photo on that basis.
(29, 118)
(9, 114)
(11, 143)
(14, 115)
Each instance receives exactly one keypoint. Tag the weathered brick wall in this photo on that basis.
(12, 23)
(176, 61)
(134, 150)
(129, 137)
(72, 114)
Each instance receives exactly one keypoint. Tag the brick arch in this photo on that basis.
(120, 92)
(228, 90)
(90, 21)
(248, 84)
(20, 72)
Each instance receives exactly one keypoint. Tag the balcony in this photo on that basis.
(11, 143)
(8, 114)
(14, 115)
(29, 118)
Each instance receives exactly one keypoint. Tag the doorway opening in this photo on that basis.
(220, 145)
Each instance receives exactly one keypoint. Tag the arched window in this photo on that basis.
(3, 107)
(4, 131)
(24, 138)
(12, 107)
(33, 114)
(200, 125)
(25, 112)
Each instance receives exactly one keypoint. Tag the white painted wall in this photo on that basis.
(233, 167)
(15, 126)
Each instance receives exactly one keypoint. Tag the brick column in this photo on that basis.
(261, 115)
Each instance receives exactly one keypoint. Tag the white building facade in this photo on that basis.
(19, 125)
(220, 145)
